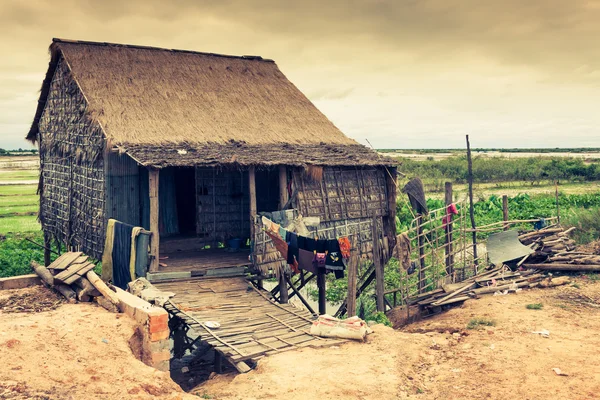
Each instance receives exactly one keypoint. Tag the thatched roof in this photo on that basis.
(153, 103)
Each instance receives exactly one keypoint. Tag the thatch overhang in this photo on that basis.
(181, 108)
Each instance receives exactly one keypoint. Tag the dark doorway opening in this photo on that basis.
(185, 197)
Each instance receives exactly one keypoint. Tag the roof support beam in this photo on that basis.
(153, 175)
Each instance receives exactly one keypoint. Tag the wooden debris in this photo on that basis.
(48, 279)
(72, 275)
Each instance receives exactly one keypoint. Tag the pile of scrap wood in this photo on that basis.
(499, 280)
(548, 241)
(555, 251)
(72, 274)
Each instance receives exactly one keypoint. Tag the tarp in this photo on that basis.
(505, 246)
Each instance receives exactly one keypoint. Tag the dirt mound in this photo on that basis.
(35, 299)
(75, 351)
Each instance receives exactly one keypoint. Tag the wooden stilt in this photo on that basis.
(153, 183)
(283, 289)
(322, 291)
(352, 281)
(379, 278)
(218, 362)
(47, 244)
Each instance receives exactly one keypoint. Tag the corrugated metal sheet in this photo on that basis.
(123, 189)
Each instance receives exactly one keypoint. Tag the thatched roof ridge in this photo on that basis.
(159, 99)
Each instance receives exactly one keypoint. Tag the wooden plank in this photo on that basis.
(153, 182)
(80, 274)
(65, 260)
(72, 270)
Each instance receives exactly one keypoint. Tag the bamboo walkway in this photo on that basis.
(252, 325)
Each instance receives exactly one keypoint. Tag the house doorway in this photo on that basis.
(185, 198)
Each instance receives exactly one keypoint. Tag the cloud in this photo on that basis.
(397, 71)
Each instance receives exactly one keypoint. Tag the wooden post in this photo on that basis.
(283, 289)
(47, 244)
(557, 206)
(322, 291)
(505, 210)
(471, 212)
(379, 279)
(218, 362)
(283, 192)
(153, 175)
(352, 280)
(421, 246)
(253, 209)
(283, 199)
(449, 257)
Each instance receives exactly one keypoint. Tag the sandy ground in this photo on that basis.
(81, 352)
(439, 358)
(77, 351)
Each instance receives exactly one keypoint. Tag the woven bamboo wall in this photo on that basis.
(223, 203)
(72, 201)
(343, 193)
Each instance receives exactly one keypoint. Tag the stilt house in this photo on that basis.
(192, 146)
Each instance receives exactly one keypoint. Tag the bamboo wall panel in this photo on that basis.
(223, 205)
(123, 189)
(72, 196)
(343, 193)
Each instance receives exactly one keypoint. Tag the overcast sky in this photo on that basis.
(401, 73)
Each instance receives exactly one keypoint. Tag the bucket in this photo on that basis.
(234, 243)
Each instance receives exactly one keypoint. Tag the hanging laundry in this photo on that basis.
(402, 250)
(334, 259)
(450, 210)
(283, 248)
(119, 253)
(305, 261)
(345, 246)
(319, 260)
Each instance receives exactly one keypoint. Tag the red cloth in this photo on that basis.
(345, 246)
(450, 210)
(282, 247)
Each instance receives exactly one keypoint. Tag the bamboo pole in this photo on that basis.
(556, 196)
(471, 211)
(420, 245)
(448, 248)
(379, 278)
(253, 208)
(505, 211)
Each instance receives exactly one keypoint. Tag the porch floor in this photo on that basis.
(202, 260)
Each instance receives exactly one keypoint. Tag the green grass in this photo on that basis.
(16, 253)
(26, 223)
(534, 306)
(23, 209)
(17, 190)
(476, 323)
(12, 201)
(18, 175)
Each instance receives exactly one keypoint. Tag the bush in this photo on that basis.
(587, 224)
(16, 253)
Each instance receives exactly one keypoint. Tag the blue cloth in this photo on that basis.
(121, 254)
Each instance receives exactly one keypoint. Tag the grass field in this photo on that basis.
(19, 204)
